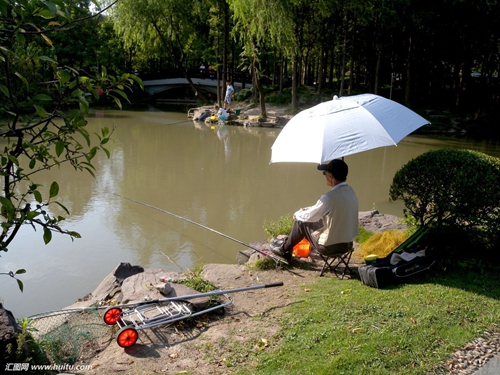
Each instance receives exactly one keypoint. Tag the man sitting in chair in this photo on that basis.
(331, 224)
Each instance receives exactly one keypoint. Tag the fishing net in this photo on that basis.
(70, 335)
(381, 244)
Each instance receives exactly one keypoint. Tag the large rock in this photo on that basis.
(110, 287)
(373, 221)
(9, 330)
(145, 287)
(132, 284)
(142, 286)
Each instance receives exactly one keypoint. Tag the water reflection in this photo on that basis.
(219, 177)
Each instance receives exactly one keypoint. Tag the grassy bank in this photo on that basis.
(345, 327)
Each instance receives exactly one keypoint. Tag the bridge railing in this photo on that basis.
(194, 73)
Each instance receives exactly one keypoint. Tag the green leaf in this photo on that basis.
(106, 151)
(59, 148)
(62, 206)
(105, 131)
(7, 204)
(74, 234)
(20, 271)
(32, 163)
(138, 80)
(121, 93)
(47, 235)
(20, 284)
(31, 215)
(45, 13)
(42, 97)
(54, 189)
(20, 76)
(5, 90)
(90, 155)
(13, 159)
(40, 111)
(90, 171)
(51, 7)
(20, 39)
(46, 58)
(63, 76)
(38, 196)
(117, 101)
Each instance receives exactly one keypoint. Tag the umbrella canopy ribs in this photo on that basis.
(342, 127)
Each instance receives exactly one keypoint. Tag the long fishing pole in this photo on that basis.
(180, 122)
(275, 258)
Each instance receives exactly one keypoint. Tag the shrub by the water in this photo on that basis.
(456, 189)
(242, 95)
(282, 226)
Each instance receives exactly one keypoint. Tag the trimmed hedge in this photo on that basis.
(455, 188)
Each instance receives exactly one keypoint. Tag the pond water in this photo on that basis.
(218, 177)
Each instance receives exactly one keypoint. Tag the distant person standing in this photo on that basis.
(229, 95)
(202, 71)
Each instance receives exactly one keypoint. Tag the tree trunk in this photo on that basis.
(260, 89)
(351, 60)
(225, 13)
(321, 69)
(408, 74)
(342, 66)
(274, 67)
(254, 86)
(294, 83)
(217, 67)
(281, 72)
(377, 71)
(331, 74)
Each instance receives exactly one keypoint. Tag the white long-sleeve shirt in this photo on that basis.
(339, 211)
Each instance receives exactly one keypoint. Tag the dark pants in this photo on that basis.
(301, 230)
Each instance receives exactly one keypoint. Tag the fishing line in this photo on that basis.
(180, 122)
(153, 243)
(158, 247)
(275, 258)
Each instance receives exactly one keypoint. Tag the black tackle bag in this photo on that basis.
(414, 256)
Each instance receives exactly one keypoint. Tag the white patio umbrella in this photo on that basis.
(342, 127)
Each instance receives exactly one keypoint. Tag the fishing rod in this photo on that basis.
(275, 258)
(180, 122)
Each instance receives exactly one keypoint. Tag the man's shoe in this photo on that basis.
(276, 247)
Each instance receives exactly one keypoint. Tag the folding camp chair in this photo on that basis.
(335, 262)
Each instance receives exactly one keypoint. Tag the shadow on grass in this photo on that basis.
(468, 276)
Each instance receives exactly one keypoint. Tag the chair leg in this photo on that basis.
(326, 263)
(344, 259)
(340, 259)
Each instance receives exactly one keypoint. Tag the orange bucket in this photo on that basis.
(302, 249)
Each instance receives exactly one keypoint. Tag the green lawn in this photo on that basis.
(346, 327)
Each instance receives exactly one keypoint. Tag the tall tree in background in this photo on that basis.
(164, 28)
(261, 24)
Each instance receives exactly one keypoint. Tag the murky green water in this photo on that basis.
(220, 178)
